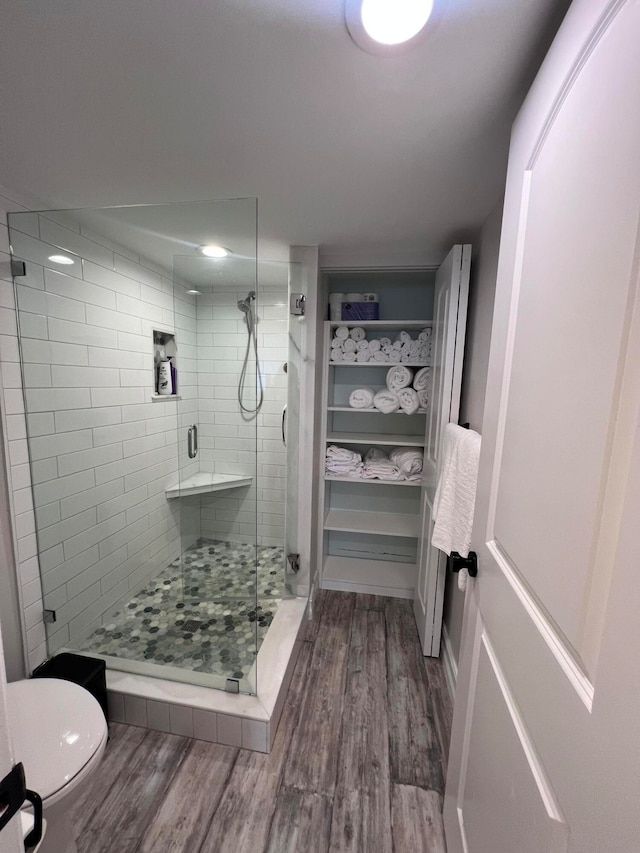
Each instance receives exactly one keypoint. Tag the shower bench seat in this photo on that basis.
(201, 483)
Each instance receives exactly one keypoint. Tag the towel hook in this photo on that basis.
(470, 563)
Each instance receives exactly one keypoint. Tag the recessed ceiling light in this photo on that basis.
(213, 251)
(61, 259)
(387, 26)
(195, 292)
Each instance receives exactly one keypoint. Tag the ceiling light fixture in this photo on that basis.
(61, 259)
(212, 250)
(387, 26)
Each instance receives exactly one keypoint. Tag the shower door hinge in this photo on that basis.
(49, 616)
(294, 563)
(232, 685)
(296, 303)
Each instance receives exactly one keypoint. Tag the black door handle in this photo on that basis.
(470, 563)
(13, 793)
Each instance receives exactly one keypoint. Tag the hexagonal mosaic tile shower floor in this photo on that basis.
(201, 612)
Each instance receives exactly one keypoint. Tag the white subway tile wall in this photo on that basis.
(102, 453)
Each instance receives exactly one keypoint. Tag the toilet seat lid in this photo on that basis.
(56, 728)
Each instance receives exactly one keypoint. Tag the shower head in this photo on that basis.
(245, 304)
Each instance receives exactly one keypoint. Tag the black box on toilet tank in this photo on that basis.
(88, 672)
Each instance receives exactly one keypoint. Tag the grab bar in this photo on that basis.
(284, 421)
(192, 441)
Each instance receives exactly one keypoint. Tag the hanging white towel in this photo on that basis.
(456, 492)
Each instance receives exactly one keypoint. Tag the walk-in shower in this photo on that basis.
(161, 561)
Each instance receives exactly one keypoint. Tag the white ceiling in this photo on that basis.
(118, 102)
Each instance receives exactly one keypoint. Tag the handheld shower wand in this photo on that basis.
(246, 306)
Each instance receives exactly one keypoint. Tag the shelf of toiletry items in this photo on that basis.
(202, 483)
(374, 438)
(376, 523)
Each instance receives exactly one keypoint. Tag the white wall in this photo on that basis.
(474, 380)
(228, 441)
(102, 452)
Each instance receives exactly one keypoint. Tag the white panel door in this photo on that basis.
(447, 351)
(545, 744)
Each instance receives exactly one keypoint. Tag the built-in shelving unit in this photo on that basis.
(369, 529)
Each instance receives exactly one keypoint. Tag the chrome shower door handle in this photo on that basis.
(192, 441)
(284, 422)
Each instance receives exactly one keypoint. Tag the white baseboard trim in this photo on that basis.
(449, 663)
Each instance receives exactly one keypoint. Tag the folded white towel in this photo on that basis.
(348, 356)
(349, 345)
(342, 454)
(423, 399)
(386, 401)
(409, 402)
(357, 333)
(409, 461)
(362, 398)
(380, 356)
(378, 466)
(398, 377)
(362, 345)
(342, 333)
(337, 355)
(422, 379)
(363, 356)
(341, 461)
(456, 491)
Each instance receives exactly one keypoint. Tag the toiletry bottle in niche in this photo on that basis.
(164, 378)
(174, 375)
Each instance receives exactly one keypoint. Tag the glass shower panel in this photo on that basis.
(103, 310)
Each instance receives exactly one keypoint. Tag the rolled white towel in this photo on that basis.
(336, 343)
(398, 377)
(348, 357)
(388, 349)
(422, 379)
(403, 338)
(362, 398)
(385, 342)
(349, 345)
(374, 345)
(396, 345)
(386, 401)
(362, 345)
(408, 460)
(357, 333)
(380, 356)
(342, 333)
(423, 399)
(337, 355)
(408, 400)
(363, 356)
(425, 335)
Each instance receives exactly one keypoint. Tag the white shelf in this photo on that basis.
(200, 484)
(377, 523)
(368, 482)
(376, 364)
(375, 438)
(162, 398)
(376, 577)
(382, 324)
(371, 411)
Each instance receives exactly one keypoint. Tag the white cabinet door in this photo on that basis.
(544, 752)
(447, 352)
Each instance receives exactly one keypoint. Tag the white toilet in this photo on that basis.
(59, 733)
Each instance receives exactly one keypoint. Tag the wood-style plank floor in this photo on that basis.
(357, 764)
